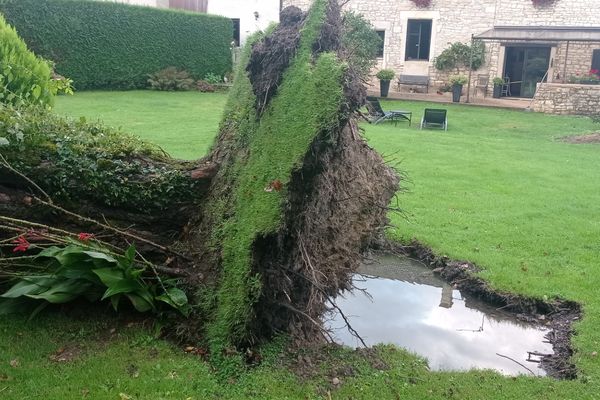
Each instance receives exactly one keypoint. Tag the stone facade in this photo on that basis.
(457, 20)
(556, 98)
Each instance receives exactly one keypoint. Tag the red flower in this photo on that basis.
(594, 71)
(22, 244)
(84, 237)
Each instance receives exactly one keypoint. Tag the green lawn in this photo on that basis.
(497, 189)
(183, 123)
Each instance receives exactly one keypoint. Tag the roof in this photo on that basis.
(542, 33)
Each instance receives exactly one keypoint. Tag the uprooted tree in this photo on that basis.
(261, 233)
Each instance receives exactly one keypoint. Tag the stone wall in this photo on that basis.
(558, 98)
(457, 20)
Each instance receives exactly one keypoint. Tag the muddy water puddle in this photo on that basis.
(411, 307)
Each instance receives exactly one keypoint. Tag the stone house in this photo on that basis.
(248, 16)
(527, 41)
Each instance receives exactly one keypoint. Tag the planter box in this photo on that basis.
(384, 87)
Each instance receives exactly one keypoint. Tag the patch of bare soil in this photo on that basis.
(557, 314)
(583, 139)
(66, 354)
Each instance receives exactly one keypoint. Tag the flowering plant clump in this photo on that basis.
(591, 77)
(422, 3)
(21, 244)
(84, 237)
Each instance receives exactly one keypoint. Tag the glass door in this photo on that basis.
(537, 61)
(525, 67)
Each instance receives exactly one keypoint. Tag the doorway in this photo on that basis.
(526, 67)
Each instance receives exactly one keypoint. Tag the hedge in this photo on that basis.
(24, 78)
(104, 45)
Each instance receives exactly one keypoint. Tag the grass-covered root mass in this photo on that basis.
(282, 156)
(109, 45)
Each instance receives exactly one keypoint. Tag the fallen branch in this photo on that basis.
(7, 165)
(513, 360)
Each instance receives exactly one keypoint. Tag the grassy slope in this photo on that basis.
(495, 178)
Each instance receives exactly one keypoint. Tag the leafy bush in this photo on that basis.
(458, 56)
(107, 45)
(24, 78)
(386, 74)
(87, 269)
(361, 41)
(205, 87)
(212, 79)
(90, 161)
(458, 80)
(171, 79)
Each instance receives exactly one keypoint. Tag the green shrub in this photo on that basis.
(458, 55)
(386, 74)
(86, 268)
(360, 41)
(204, 87)
(171, 79)
(24, 78)
(106, 45)
(458, 80)
(212, 79)
(88, 161)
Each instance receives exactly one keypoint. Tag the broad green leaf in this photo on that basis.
(174, 297)
(114, 300)
(124, 286)
(130, 254)
(139, 303)
(109, 276)
(29, 286)
(100, 256)
(55, 298)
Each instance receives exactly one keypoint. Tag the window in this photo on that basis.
(596, 60)
(236, 31)
(382, 44)
(190, 5)
(418, 39)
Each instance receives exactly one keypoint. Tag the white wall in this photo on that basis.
(268, 12)
(150, 3)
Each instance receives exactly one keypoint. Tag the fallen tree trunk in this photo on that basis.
(270, 225)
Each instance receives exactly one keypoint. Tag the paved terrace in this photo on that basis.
(479, 100)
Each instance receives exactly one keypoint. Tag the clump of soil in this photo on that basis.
(558, 314)
(271, 56)
(337, 201)
(583, 139)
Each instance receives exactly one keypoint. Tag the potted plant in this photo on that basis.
(457, 82)
(498, 82)
(385, 76)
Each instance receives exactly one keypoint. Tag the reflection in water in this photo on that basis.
(412, 308)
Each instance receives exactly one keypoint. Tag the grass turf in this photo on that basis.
(182, 123)
(497, 189)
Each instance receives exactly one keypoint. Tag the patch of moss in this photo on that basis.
(307, 103)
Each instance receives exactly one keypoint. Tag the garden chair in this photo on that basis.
(377, 115)
(481, 84)
(506, 87)
(434, 117)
